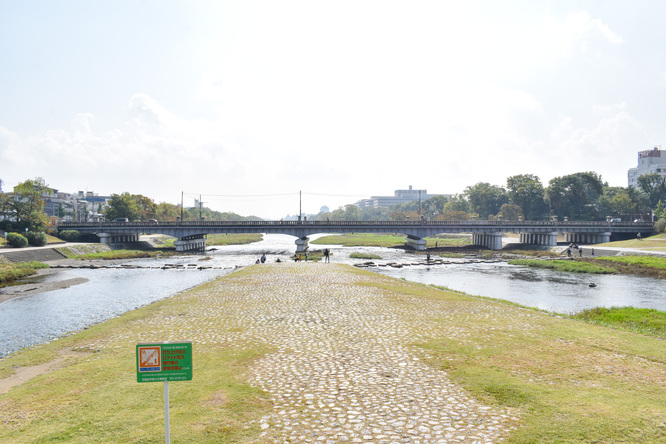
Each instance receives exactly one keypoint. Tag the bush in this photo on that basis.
(38, 239)
(69, 235)
(16, 240)
(660, 226)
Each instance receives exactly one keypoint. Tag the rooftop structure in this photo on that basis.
(650, 161)
(399, 197)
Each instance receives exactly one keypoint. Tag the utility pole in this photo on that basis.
(300, 206)
(200, 206)
(181, 206)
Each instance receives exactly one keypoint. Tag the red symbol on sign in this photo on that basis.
(149, 357)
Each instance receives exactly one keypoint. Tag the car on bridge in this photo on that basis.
(120, 219)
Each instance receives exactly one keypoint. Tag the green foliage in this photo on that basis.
(12, 271)
(564, 265)
(660, 226)
(511, 212)
(123, 254)
(485, 199)
(16, 240)
(641, 261)
(123, 205)
(364, 256)
(641, 320)
(27, 205)
(654, 186)
(575, 195)
(69, 235)
(233, 239)
(38, 239)
(526, 191)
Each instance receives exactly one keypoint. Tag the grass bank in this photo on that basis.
(233, 239)
(645, 321)
(652, 243)
(566, 380)
(10, 271)
(388, 240)
(570, 266)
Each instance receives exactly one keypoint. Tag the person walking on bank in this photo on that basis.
(580, 252)
(326, 255)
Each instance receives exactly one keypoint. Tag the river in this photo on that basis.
(35, 319)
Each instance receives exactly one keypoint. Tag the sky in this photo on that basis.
(265, 107)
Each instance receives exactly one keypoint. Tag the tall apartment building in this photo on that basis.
(650, 161)
(399, 197)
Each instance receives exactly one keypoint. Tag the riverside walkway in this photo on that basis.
(342, 366)
(343, 369)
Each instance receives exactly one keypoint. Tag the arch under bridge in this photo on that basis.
(191, 235)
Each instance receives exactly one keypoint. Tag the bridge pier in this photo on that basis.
(588, 238)
(191, 243)
(547, 239)
(117, 238)
(492, 241)
(416, 243)
(302, 244)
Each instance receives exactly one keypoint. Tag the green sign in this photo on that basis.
(171, 361)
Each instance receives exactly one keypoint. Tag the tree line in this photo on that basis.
(580, 196)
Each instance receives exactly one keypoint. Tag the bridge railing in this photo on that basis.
(338, 223)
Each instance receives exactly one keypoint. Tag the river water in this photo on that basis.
(31, 320)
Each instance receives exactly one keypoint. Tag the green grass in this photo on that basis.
(640, 261)
(656, 243)
(564, 265)
(233, 239)
(641, 320)
(123, 254)
(387, 240)
(364, 256)
(563, 380)
(95, 397)
(12, 271)
(567, 381)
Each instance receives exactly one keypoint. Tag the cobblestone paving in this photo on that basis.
(344, 371)
(342, 368)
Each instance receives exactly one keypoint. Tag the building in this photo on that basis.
(399, 197)
(650, 161)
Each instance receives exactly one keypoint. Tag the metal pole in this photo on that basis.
(167, 431)
(300, 205)
(181, 206)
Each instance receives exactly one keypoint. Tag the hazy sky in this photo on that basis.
(249, 102)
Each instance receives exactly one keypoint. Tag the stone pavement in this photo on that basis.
(342, 366)
(343, 369)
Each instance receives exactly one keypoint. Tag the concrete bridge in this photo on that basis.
(191, 235)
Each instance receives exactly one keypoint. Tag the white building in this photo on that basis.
(650, 161)
(399, 197)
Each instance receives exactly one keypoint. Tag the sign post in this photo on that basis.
(170, 361)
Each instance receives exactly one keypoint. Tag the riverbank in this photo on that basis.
(303, 352)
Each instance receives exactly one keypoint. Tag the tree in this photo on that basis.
(457, 208)
(434, 206)
(575, 195)
(148, 207)
(123, 205)
(526, 191)
(348, 212)
(485, 199)
(27, 204)
(511, 212)
(654, 186)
